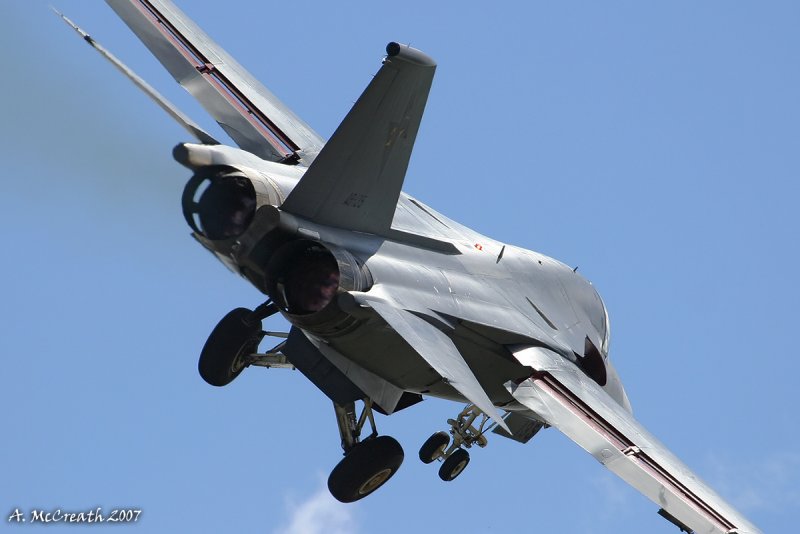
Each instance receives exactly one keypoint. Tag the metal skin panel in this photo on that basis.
(414, 280)
(563, 397)
(319, 370)
(438, 350)
(254, 118)
(522, 428)
(383, 393)
(456, 314)
(355, 180)
(187, 123)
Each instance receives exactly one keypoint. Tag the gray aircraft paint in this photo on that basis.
(456, 314)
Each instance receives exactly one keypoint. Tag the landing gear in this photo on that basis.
(368, 464)
(465, 434)
(434, 447)
(233, 345)
(454, 465)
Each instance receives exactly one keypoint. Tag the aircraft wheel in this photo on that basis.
(434, 447)
(454, 465)
(366, 468)
(232, 340)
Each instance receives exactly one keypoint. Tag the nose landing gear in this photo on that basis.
(465, 434)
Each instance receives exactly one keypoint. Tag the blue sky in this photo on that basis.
(654, 146)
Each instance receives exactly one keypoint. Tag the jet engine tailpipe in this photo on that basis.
(219, 201)
(304, 277)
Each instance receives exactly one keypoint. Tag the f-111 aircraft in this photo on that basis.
(389, 300)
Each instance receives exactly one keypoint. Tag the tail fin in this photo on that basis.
(355, 181)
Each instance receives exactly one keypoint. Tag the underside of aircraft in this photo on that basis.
(389, 300)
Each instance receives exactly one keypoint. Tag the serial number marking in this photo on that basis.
(355, 200)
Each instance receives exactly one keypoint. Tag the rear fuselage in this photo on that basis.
(484, 294)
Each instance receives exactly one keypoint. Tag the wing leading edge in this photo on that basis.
(188, 124)
(254, 118)
(568, 400)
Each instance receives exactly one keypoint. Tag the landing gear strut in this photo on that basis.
(465, 434)
(233, 345)
(368, 464)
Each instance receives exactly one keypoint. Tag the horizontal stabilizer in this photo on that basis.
(565, 398)
(441, 354)
(182, 119)
(355, 181)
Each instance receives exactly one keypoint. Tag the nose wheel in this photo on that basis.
(454, 465)
(434, 447)
(464, 434)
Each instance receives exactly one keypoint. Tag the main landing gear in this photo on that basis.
(233, 345)
(465, 434)
(366, 465)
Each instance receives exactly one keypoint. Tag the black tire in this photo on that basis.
(367, 467)
(454, 465)
(433, 447)
(234, 337)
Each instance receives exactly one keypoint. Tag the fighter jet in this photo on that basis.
(388, 300)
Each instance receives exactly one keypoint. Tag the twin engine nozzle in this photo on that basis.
(236, 217)
(220, 202)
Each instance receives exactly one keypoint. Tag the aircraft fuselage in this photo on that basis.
(484, 294)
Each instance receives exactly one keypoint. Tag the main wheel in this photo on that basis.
(454, 465)
(433, 447)
(224, 355)
(366, 468)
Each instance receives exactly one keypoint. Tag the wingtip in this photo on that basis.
(68, 21)
(63, 17)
